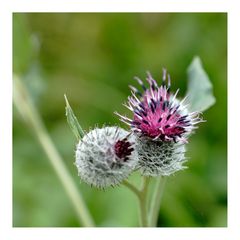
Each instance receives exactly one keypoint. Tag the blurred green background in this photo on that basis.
(92, 58)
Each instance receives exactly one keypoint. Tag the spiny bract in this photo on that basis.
(106, 156)
(159, 158)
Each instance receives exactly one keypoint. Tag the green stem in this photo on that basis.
(156, 201)
(142, 196)
(23, 103)
(132, 188)
(143, 202)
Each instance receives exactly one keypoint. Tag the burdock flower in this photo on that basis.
(162, 125)
(106, 156)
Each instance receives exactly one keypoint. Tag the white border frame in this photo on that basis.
(6, 10)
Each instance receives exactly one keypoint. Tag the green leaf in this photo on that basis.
(73, 122)
(200, 89)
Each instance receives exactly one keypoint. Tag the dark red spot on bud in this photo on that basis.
(123, 149)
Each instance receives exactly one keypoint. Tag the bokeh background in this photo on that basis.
(92, 57)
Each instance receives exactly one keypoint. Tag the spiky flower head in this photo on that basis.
(162, 123)
(106, 156)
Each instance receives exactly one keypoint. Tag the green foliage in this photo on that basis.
(200, 89)
(73, 122)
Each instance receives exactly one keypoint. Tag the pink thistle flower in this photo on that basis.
(157, 113)
(162, 125)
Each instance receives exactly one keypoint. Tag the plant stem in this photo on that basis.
(143, 202)
(24, 104)
(156, 201)
(142, 196)
(132, 188)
